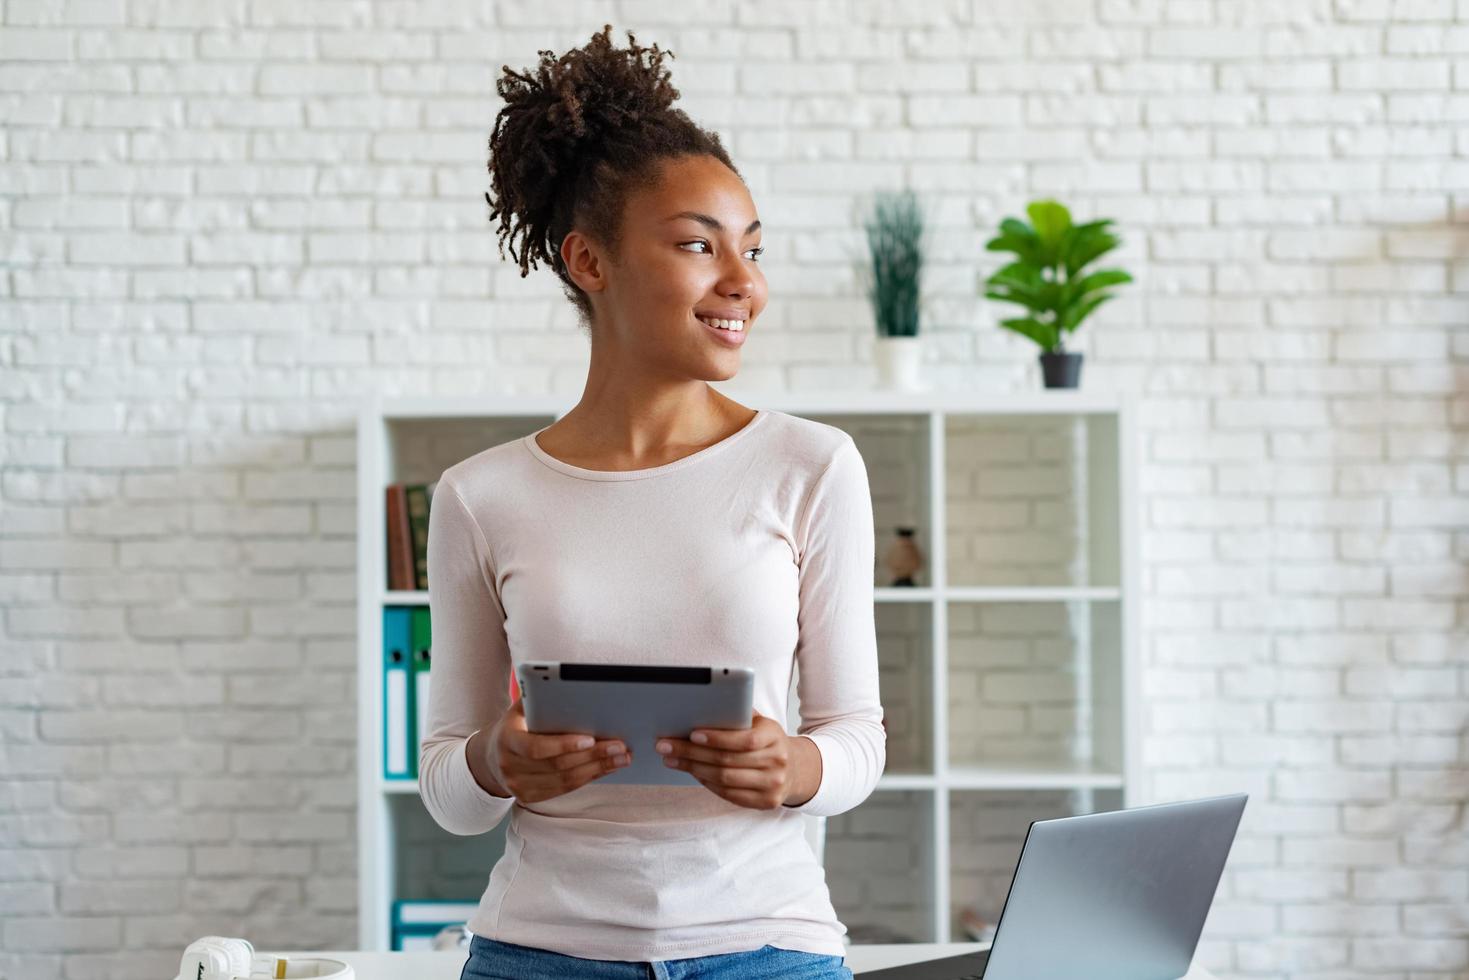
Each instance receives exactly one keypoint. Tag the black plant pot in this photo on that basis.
(1061, 369)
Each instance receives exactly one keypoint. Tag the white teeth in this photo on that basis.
(735, 325)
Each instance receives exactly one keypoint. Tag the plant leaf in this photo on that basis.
(895, 248)
(1044, 334)
(1025, 284)
(1088, 243)
(1033, 303)
(1051, 220)
(1018, 237)
(1078, 289)
(1014, 226)
(1074, 315)
(1022, 275)
(1046, 277)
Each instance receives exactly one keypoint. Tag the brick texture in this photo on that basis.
(223, 220)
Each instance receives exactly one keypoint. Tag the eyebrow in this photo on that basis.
(708, 221)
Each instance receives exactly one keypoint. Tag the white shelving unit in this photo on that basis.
(1009, 672)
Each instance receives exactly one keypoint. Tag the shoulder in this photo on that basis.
(807, 444)
(488, 474)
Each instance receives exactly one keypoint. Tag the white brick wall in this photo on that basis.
(878, 857)
(222, 220)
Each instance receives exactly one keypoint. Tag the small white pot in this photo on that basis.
(899, 363)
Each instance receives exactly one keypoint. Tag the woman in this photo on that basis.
(657, 522)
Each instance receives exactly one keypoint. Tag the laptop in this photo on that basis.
(1120, 895)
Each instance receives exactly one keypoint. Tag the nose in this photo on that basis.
(738, 281)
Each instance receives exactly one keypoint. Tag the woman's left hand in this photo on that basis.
(751, 767)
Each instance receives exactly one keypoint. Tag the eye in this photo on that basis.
(758, 251)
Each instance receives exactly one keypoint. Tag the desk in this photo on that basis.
(446, 965)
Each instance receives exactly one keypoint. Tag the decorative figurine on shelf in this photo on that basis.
(903, 557)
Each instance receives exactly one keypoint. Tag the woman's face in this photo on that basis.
(689, 247)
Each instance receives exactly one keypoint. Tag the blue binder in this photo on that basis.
(397, 691)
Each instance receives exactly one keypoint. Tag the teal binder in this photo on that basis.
(397, 692)
(417, 922)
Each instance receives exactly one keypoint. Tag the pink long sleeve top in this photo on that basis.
(757, 551)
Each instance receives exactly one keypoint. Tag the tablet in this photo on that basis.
(637, 704)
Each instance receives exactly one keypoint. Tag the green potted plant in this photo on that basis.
(895, 248)
(1048, 278)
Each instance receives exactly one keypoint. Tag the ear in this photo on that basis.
(583, 262)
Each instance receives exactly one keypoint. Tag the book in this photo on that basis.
(400, 553)
(418, 504)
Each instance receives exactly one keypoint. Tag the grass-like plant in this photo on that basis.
(895, 246)
(1048, 277)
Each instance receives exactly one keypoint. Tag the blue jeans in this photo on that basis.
(490, 959)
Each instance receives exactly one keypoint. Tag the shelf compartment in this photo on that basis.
(1035, 687)
(418, 450)
(879, 867)
(428, 862)
(894, 448)
(905, 679)
(986, 833)
(1031, 500)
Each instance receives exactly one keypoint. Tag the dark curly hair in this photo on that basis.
(574, 139)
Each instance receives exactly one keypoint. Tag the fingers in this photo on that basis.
(753, 788)
(746, 767)
(535, 785)
(560, 752)
(756, 759)
(547, 746)
(512, 728)
(608, 749)
(752, 779)
(762, 731)
(533, 745)
(541, 766)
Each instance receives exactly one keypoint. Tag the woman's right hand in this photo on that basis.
(541, 767)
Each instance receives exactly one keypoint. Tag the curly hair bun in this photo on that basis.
(589, 92)
(556, 117)
(573, 136)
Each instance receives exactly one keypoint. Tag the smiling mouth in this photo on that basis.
(732, 326)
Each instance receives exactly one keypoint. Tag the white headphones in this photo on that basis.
(226, 958)
(217, 958)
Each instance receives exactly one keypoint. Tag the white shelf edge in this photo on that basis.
(940, 884)
(373, 911)
(1032, 593)
(903, 593)
(1008, 593)
(1042, 777)
(812, 402)
(903, 781)
(975, 777)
